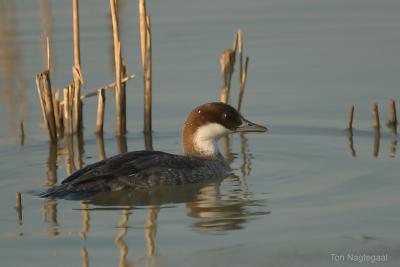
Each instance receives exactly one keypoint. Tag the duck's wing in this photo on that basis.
(130, 163)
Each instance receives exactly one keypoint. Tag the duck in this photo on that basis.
(142, 170)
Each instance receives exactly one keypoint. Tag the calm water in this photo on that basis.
(298, 195)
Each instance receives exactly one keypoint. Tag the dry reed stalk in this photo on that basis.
(58, 113)
(100, 111)
(235, 41)
(108, 86)
(143, 30)
(148, 80)
(351, 116)
(77, 77)
(243, 79)
(392, 114)
(76, 69)
(48, 53)
(75, 18)
(41, 98)
(48, 104)
(123, 95)
(227, 61)
(119, 101)
(239, 35)
(145, 48)
(120, 126)
(242, 68)
(18, 206)
(375, 111)
(67, 110)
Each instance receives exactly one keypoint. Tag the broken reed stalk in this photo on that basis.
(375, 112)
(239, 35)
(145, 48)
(76, 69)
(243, 79)
(41, 98)
(227, 61)
(120, 125)
(46, 96)
(392, 114)
(351, 116)
(108, 86)
(18, 205)
(58, 113)
(242, 69)
(100, 111)
(68, 109)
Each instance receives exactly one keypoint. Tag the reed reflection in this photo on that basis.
(393, 146)
(79, 150)
(69, 158)
(351, 143)
(377, 140)
(49, 207)
(119, 240)
(85, 220)
(50, 216)
(51, 166)
(227, 148)
(151, 229)
(393, 143)
(148, 140)
(100, 146)
(85, 257)
(122, 145)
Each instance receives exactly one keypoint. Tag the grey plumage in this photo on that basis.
(138, 170)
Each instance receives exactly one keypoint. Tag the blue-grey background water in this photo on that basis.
(299, 194)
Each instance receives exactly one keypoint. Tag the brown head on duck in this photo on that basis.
(208, 123)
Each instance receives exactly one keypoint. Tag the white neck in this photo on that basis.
(206, 138)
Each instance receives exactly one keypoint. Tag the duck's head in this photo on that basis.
(208, 123)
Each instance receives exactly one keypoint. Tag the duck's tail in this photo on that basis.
(62, 192)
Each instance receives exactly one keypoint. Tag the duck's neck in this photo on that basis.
(201, 142)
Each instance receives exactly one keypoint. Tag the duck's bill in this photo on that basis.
(248, 126)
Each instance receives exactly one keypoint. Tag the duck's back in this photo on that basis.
(138, 170)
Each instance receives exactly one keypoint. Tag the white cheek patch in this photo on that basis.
(206, 137)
